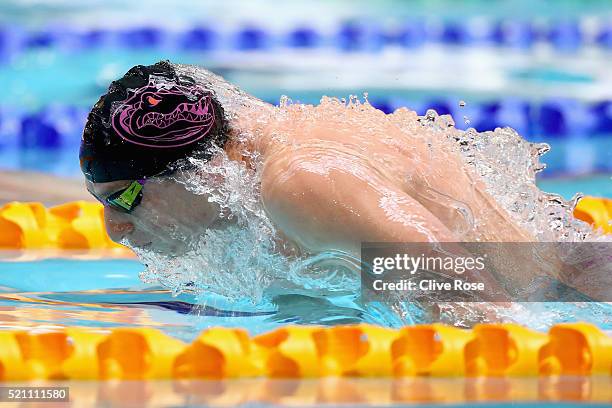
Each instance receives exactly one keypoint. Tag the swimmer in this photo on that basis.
(329, 180)
(328, 177)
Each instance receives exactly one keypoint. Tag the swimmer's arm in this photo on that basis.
(338, 210)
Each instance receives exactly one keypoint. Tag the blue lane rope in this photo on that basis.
(563, 35)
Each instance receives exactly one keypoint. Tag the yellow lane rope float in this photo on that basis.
(595, 211)
(434, 350)
(74, 225)
(80, 224)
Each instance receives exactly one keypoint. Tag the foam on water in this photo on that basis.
(248, 260)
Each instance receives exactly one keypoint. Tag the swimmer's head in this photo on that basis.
(146, 122)
(138, 134)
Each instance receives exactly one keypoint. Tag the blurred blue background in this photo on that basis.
(541, 67)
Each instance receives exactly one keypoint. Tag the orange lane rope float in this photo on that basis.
(435, 350)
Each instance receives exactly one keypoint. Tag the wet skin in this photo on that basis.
(332, 184)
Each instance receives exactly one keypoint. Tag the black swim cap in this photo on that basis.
(148, 120)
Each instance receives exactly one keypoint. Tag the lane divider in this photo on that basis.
(563, 35)
(434, 350)
(74, 225)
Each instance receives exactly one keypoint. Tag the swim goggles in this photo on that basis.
(125, 200)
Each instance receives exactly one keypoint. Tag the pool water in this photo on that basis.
(596, 185)
(103, 293)
(109, 293)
